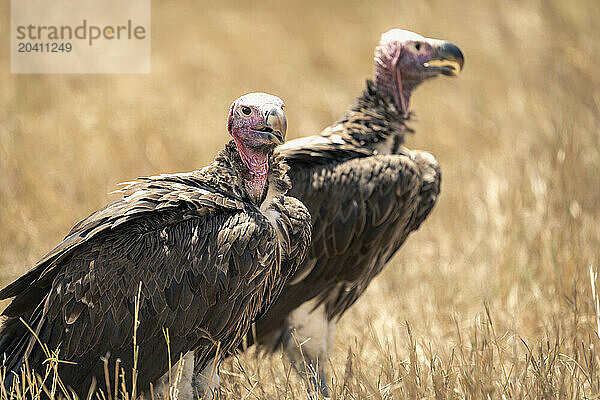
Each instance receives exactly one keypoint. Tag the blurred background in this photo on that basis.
(491, 297)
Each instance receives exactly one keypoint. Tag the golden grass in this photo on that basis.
(490, 299)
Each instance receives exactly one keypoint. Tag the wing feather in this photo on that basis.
(189, 268)
(363, 206)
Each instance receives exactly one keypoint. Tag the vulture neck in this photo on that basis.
(373, 122)
(255, 176)
(256, 173)
(388, 79)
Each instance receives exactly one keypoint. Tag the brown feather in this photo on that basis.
(208, 259)
(364, 203)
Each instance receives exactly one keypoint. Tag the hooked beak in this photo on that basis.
(275, 126)
(447, 59)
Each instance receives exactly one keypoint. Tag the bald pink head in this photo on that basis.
(257, 124)
(404, 59)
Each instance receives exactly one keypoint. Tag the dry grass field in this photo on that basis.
(491, 298)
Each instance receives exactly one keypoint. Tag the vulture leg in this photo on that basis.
(189, 383)
(180, 380)
(309, 340)
(205, 382)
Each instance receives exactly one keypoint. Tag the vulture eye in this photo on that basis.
(418, 46)
(246, 110)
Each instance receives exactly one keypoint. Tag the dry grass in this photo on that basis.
(490, 299)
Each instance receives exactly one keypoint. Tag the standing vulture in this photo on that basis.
(366, 193)
(209, 249)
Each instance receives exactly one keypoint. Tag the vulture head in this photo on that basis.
(404, 59)
(257, 124)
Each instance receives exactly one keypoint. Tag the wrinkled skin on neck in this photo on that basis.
(386, 57)
(398, 69)
(255, 156)
(390, 78)
(257, 162)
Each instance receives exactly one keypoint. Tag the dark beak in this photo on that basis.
(275, 126)
(448, 59)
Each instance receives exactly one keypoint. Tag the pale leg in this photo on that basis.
(179, 385)
(205, 383)
(308, 344)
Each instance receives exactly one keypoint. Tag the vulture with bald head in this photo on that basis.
(366, 193)
(205, 251)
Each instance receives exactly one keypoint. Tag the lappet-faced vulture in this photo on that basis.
(366, 193)
(207, 250)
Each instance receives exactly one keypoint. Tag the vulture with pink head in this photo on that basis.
(366, 193)
(207, 250)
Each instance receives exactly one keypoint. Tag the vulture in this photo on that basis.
(365, 192)
(193, 256)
